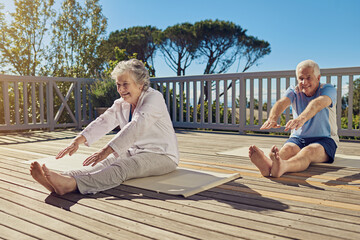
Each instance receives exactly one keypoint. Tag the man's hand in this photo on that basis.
(269, 124)
(295, 123)
(98, 156)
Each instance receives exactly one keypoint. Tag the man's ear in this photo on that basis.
(318, 78)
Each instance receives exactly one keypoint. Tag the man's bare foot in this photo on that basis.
(279, 165)
(262, 162)
(37, 173)
(61, 184)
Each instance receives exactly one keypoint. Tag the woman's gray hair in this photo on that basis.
(309, 63)
(136, 68)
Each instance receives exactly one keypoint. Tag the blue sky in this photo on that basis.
(327, 31)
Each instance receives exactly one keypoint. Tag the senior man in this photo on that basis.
(313, 128)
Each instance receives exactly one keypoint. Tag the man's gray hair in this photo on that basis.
(136, 68)
(309, 63)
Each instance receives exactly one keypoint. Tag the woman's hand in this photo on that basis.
(72, 148)
(98, 156)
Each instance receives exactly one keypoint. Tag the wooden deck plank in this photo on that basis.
(8, 233)
(321, 202)
(36, 199)
(129, 220)
(258, 222)
(275, 216)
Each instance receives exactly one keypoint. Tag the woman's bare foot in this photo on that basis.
(61, 184)
(262, 162)
(38, 174)
(279, 165)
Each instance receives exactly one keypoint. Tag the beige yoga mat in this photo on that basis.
(183, 181)
(341, 160)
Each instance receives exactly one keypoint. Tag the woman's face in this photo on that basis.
(128, 89)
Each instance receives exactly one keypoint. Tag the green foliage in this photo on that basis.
(77, 32)
(356, 99)
(120, 55)
(103, 93)
(213, 112)
(183, 111)
(355, 125)
(136, 40)
(21, 41)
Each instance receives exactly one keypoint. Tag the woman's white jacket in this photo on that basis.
(150, 129)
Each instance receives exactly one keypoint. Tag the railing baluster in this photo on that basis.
(202, 102)
(84, 103)
(260, 110)
(251, 107)
(187, 101)
(41, 102)
(17, 107)
(350, 101)
(167, 96)
(226, 102)
(6, 103)
(268, 97)
(77, 104)
(209, 101)
(195, 101)
(233, 101)
(25, 97)
(181, 104)
(33, 103)
(287, 112)
(174, 102)
(242, 105)
(51, 105)
(217, 100)
(338, 109)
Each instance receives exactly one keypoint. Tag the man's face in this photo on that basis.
(308, 82)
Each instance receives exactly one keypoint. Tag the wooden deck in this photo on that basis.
(320, 203)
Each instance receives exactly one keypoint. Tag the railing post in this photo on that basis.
(50, 105)
(6, 103)
(242, 105)
(78, 103)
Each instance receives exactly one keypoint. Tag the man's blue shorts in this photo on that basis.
(328, 144)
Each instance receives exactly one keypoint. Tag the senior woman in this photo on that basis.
(145, 146)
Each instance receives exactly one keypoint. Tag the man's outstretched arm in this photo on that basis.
(275, 113)
(315, 106)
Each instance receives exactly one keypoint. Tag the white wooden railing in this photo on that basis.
(235, 109)
(43, 102)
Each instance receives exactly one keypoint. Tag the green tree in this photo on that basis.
(77, 32)
(2, 24)
(139, 40)
(217, 44)
(252, 50)
(22, 40)
(178, 44)
(356, 99)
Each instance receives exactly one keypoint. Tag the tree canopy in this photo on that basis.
(22, 40)
(218, 44)
(77, 32)
(139, 40)
(178, 44)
